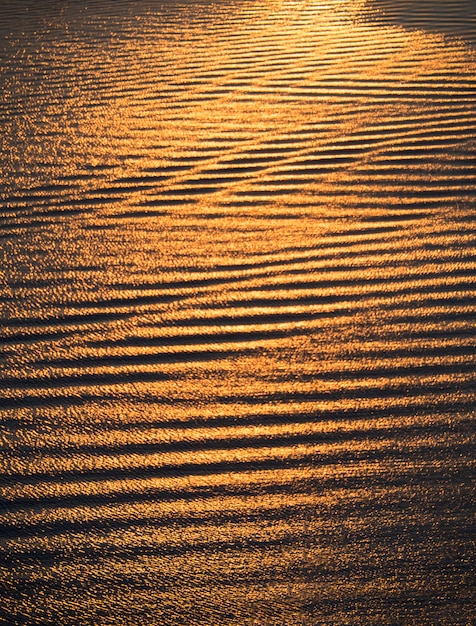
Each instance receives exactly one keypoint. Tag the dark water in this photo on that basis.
(238, 312)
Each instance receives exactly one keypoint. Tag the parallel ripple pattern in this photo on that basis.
(238, 262)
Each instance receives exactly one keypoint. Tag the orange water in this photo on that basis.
(238, 312)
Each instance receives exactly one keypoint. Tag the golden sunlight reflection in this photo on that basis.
(237, 288)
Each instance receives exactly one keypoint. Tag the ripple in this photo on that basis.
(237, 308)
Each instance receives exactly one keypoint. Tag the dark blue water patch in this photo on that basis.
(456, 18)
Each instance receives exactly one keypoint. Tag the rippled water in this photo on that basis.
(238, 312)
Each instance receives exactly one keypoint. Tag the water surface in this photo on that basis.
(238, 312)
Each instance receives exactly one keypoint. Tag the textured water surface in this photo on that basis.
(238, 261)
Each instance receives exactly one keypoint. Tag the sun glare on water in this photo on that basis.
(237, 291)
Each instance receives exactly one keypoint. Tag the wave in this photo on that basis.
(237, 300)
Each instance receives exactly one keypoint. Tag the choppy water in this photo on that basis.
(238, 304)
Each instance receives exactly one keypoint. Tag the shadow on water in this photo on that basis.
(448, 17)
